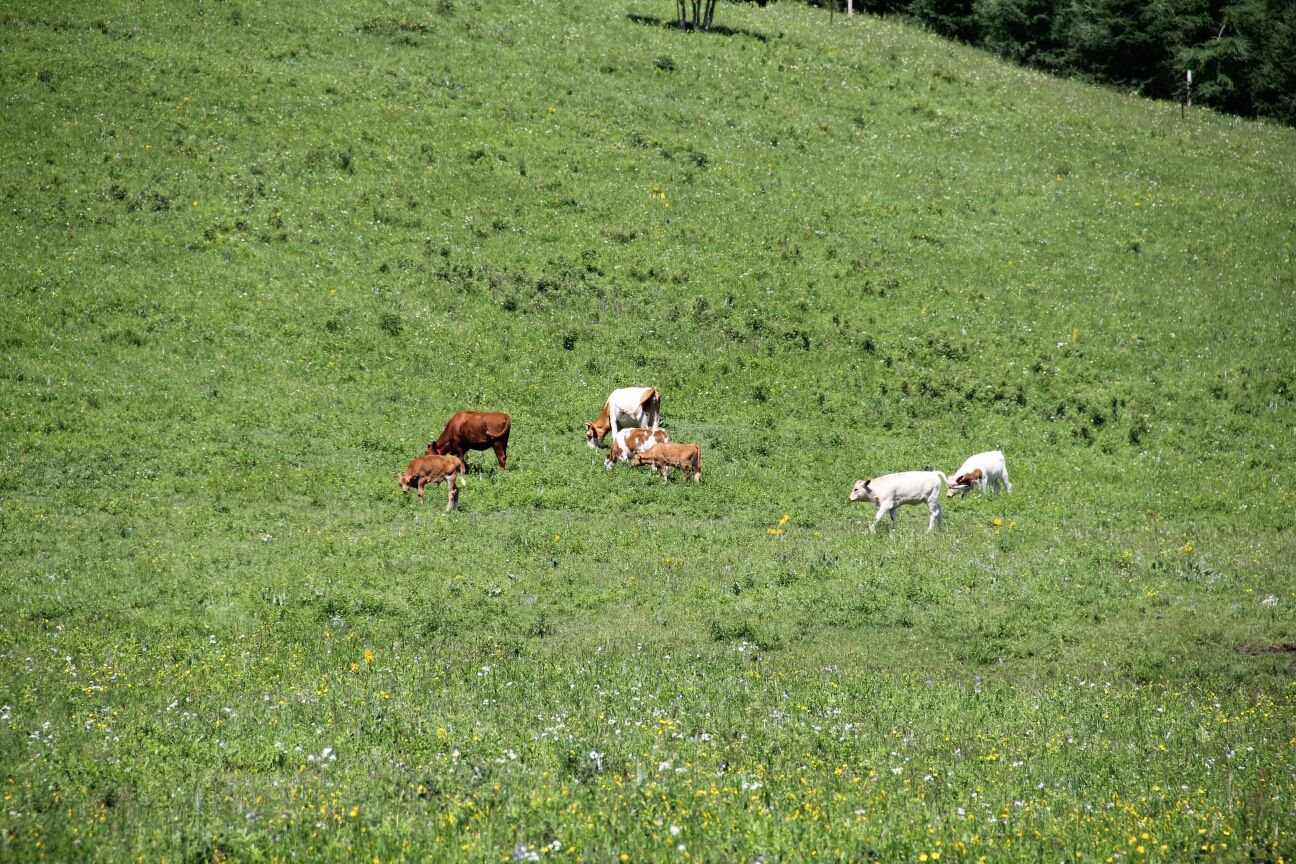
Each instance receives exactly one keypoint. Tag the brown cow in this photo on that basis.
(686, 457)
(474, 430)
(433, 469)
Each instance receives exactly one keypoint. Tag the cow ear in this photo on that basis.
(866, 483)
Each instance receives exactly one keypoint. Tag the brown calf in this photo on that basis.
(433, 469)
(686, 457)
(474, 430)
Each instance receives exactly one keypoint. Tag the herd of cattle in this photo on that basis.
(646, 443)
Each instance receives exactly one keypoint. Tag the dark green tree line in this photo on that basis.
(1242, 52)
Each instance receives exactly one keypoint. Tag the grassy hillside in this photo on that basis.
(256, 253)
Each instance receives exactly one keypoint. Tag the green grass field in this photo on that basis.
(254, 254)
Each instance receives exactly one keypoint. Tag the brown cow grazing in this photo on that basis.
(474, 430)
(433, 469)
(686, 457)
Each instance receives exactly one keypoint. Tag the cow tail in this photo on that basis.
(944, 479)
(652, 403)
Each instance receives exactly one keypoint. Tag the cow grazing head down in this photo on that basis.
(965, 481)
(591, 436)
(862, 492)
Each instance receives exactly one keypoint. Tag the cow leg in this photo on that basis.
(665, 470)
(1004, 479)
(421, 483)
(501, 453)
(881, 511)
(935, 519)
(452, 498)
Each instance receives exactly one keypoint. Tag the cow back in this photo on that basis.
(472, 430)
(435, 466)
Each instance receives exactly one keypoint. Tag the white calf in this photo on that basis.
(908, 487)
(978, 472)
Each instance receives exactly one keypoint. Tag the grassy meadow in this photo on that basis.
(254, 254)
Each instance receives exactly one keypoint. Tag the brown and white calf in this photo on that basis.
(474, 430)
(685, 457)
(907, 487)
(642, 405)
(983, 470)
(630, 441)
(433, 469)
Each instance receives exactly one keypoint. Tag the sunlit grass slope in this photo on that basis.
(255, 253)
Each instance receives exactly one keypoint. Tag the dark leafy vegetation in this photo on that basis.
(1240, 51)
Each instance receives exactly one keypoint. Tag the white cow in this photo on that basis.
(632, 440)
(642, 405)
(907, 487)
(978, 472)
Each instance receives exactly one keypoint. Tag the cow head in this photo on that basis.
(404, 481)
(862, 492)
(591, 436)
(964, 481)
(434, 450)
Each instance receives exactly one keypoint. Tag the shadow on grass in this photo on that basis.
(717, 29)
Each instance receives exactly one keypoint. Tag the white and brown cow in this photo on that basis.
(984, 470)
(628, 442)
(641, 405)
